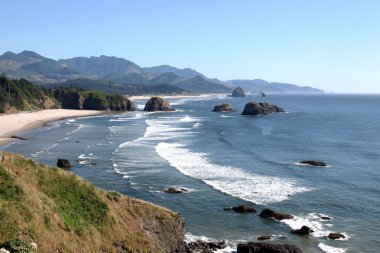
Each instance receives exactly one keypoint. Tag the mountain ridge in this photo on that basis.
(120, 72)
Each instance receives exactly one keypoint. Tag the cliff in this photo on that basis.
(93, 100)
(58, 211)
(21, 95)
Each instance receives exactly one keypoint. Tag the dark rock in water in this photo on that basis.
(325, 217)
(314, 163)
(64, 164)
(174, 190)
(268, 213)
(256, 108)
(305, 230)
(204, 247)
(223, 108)
(241, 209)
(264, 237)
(158, 104)
(184, 190)
(335, 236)
(18, 137)
(238, 92)
(262, 247)
(77, 141)
(263, 94)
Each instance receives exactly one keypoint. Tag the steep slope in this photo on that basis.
(92, 100)
(61, 212)
(21, 95)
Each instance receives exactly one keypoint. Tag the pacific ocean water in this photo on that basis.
(226, 159)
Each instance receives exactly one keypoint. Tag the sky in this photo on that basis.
(329, 44)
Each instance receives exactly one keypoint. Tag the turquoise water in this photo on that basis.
(226, 159)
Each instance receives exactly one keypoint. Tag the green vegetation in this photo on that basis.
(9, 191)
(122, 88)
(73, 98)
(59, 211)
(78, 203)
(21, 95)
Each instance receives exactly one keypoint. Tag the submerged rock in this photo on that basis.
(336, 236)
(256, 108)
(314, 163)
(64, 164)
(158, 104)
(262, 247)
(241, 209)
(264, 237)
(304, 230)
(268, 213)
(238, 92)
(18, 137)
(223, 108)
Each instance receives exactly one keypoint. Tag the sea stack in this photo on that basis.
(256, 108)
(158, 104)
(223, 108)
(238, 92)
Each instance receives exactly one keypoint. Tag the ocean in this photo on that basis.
(226, 159)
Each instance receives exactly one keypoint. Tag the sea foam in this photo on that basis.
(329, 249)
(230, 180)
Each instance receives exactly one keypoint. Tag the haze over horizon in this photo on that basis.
(333, 46)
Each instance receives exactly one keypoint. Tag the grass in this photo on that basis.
(59, 210)
(78, 203)
(9, 191)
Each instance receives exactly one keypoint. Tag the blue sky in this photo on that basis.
(330, 44)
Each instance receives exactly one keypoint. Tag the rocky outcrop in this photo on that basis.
(336, 236)
(241, 209)
(314, 163)
(238, 92)
(202, 247)
(262, 247)
(64, 164)
(304, 230)
(223, 108)
(174, 190)
(93, 100)
(268, 213)
(158, 104)
(256, 108)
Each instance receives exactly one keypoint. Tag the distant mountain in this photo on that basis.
(110, 73)
(35, 67)
(134, 78)
(259, 85)
(167, 78)
(186, 73)
(101, 66)
(113, 87)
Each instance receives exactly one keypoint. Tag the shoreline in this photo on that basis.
(21, 122)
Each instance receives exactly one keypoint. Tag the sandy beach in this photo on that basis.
(13, 124)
